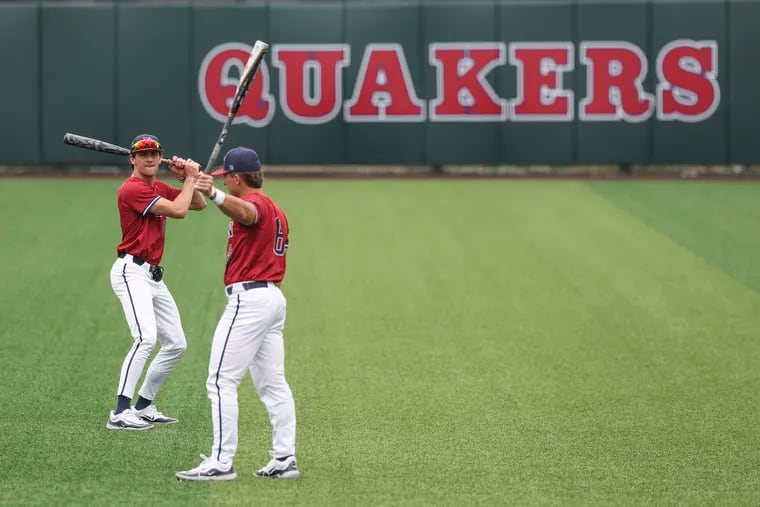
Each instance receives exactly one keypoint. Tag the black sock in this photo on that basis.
(122, 403)
(284, 457)
(142, 403)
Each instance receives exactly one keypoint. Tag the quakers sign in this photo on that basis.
(311, 83)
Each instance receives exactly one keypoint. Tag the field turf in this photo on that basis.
(448, 343)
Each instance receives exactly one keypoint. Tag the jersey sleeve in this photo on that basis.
(139, 197)
(255, 200)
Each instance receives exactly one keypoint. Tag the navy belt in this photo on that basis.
(135, 259)
(248, 286)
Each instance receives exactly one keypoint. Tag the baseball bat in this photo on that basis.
(260, 49)
(89, 143)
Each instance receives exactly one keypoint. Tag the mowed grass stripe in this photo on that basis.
(716, 220)
(63, 339)
(448, 343)
(542, 273)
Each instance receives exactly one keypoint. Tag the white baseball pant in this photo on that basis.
(151, 315)
(249, 338)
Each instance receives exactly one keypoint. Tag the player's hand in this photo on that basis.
(192, 168)
(176, 166)
(204, 183)
(184, 168)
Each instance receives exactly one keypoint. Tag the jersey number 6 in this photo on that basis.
(279, 239)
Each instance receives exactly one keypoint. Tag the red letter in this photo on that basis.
(688, 89)
(463, 94)
(614, 75)
(217, 86)
(540, 96)
(310, 83)
(384, 90)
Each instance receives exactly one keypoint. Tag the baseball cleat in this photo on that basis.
(126, 420)
(152, 415)
(280, 469)
(209, 470)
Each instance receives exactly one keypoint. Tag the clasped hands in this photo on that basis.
(183, 168)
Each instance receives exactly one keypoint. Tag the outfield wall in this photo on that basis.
(536, 82)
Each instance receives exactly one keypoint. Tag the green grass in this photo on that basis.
(448, 343)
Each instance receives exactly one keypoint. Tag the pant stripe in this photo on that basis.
(139, 330)
(218, 369)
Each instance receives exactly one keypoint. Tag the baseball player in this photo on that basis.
(248, 336)
(137, 279)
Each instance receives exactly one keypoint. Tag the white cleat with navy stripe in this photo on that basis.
(283, 468)
(126, 420)
(151, 414)
(209, 470)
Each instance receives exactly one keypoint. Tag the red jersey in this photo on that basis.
(257, 253)
(142, 232)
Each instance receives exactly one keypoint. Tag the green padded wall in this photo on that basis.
(742, 94)
(460, 142)
(613, 141)
(705, 142)
(291, 142)
(78, 79)
(377, 22)
(214, 25)
(156, 85)
(531, 21)
(20, 86)
(110, 70)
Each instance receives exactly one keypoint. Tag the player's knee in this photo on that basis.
(178, 349)
(216, 383)
(211, 385)
(272, 384)
(272, 378)
(145, 348)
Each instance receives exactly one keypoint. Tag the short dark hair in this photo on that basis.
(253, 179)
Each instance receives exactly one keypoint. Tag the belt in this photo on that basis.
(135, 259)
(243, 286)
(156, 272)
